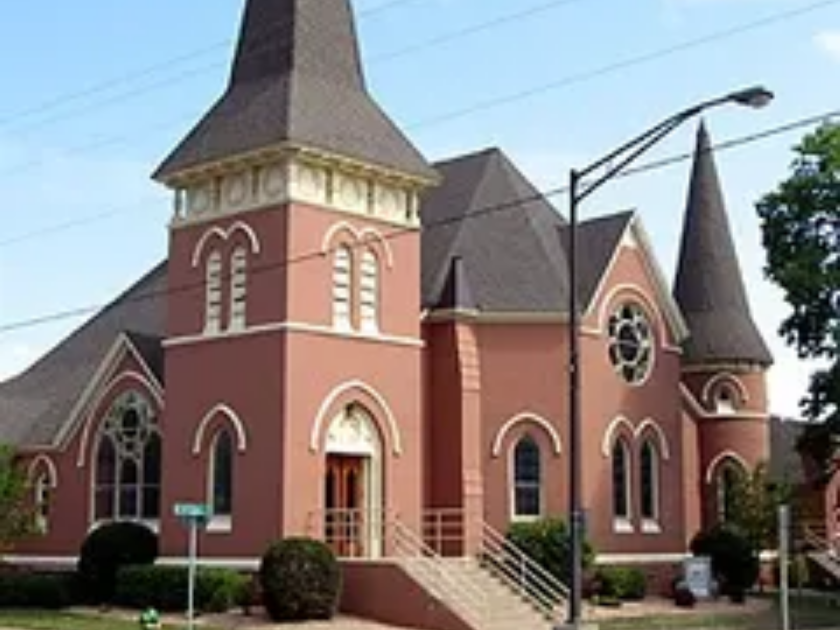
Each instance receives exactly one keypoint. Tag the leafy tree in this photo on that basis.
(800, 223)
(755, 507)
(17, 514)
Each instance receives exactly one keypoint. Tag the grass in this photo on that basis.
(54, 620)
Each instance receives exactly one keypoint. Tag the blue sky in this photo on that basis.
(96, 95)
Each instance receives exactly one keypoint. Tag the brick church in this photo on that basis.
(345, 335)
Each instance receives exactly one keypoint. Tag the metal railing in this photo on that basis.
(445, 531)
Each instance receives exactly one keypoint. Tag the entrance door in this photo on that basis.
(345, 502)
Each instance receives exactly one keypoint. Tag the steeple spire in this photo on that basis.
(709, 287)
(297, 82)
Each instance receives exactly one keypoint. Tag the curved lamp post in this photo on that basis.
(612, 164)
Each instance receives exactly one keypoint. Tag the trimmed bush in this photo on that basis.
(735, 564)
(165, 588)
(300, 580)
(25, 589)
(625, 583)
(548, 543)
(107, 549)
(683, 597)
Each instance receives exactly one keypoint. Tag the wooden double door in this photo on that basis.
(346, 500)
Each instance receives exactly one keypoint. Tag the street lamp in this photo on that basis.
(579, 189)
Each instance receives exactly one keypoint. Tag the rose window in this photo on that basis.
(631, 343)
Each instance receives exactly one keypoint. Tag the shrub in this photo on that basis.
(107, 549)
(548, 543)
(36, 590)
(626, 583)
(300, 580)
(683, 597)
(734, 562)
(165, 588)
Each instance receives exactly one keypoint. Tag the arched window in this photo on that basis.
(725, 399)
(527, 479)
(238, 288)
(369, 292)
(728, 480)
(43, 488)
(128, 462)
(621, 481)
(221, 475)
(649, 481)
(213, 297)
(342, 280)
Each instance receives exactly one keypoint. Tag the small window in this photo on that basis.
(238, 288)
(342, 279)
(728, 479)
(527, 492)
(621, 481)
(369, 292)
(631, 343)
(221, 475)
(43, 488)
(725, 399)
(649, 481)
(213, 306)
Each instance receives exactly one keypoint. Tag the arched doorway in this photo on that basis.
(353, 484)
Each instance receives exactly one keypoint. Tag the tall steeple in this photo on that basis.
(297, 83)
(709, 287)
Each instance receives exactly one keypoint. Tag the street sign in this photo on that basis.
(196, 511)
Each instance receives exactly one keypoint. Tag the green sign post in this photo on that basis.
(195, 516)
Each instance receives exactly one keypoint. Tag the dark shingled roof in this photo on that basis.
(35, 406)
(297, 78)
(511, 251)
(709, 287)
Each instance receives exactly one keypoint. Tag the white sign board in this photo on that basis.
(697, 573)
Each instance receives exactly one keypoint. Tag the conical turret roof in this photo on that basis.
(709, 287)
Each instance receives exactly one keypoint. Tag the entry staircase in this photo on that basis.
(820, 550)
(496, 587)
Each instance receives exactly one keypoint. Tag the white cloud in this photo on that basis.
(829, 42)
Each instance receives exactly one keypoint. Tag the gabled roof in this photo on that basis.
(297, 79)
(35, 405)
(509, 239)
(709, 287)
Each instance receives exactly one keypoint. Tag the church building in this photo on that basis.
(346, 340)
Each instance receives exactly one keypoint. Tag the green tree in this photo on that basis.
(800, 223)
(755, 507)
(17, 515)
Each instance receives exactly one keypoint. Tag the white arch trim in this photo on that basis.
(238, 226)
(47, 463)
(642, 296)
(321, 416)
(521, 418)
(722, 457)
(150, 387)
(366, 234)
(727, 377)
(636, 432)
(232, 418)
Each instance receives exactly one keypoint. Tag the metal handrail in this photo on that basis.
(520, 572)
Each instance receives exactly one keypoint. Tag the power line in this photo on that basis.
(191, 73)
(108, 84)
(398, 232)
(624, 64)
(557, 84)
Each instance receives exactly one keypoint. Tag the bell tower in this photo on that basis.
(293, 273)
(725, 358)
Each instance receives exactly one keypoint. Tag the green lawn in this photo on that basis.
(51, 620)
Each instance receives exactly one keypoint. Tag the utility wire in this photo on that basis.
(398, 232)
(108, 84)
(191, 73)
(557, 84)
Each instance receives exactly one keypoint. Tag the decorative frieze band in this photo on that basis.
(290, 180)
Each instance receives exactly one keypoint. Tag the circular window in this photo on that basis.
(631, 343)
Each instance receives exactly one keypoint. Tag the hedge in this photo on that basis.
(23, 589)
(165, 588)
(625, 583)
